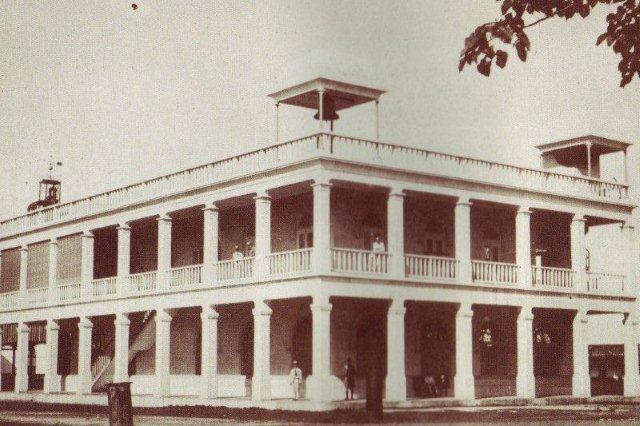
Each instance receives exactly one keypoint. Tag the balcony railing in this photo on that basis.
(68, 292)
(290, 262)
(37, 295)
(340, 147)
(232, 270)
(144, 282)
(359, 261)
(557, 278)
(430, 267)
(185, 276)
(104, 287)
(494, 272)
(9, 299)
(600, 282)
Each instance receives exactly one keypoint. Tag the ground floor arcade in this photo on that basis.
(420, 349)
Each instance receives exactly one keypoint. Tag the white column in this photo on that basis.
(124, 257)
(319, 384)
(210, 243)
(377, 119)
(632, 259)
(164, 251)
(463, 239)
(24, 259)
(523, 246)
(396, 382)
(53, 270)
(22, 359)
(525, 379)
(51, 379)
(263, 234)
(581, 382)
(578, 253)
(321, 257)
(209, 361)
(277, 122)
(121, 357)
(261, 382)
(395, 232)
(85, 332)
(631, 372)
(321, 109)
(86, 265)
(163, 353)
(464, 382)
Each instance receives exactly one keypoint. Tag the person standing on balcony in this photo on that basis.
(295, 379)
(251, 251)
(378, 249)
(237, 254)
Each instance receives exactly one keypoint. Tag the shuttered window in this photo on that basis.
(38, 265)
(10, 270)
(69, 259)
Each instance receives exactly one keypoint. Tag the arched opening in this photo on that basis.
(436, 353)
(246, 350)
(301, 348)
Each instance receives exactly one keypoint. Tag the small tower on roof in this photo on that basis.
(327, 97)
(582, 153)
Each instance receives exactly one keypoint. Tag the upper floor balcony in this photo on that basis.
(324, 146)
(323, 228)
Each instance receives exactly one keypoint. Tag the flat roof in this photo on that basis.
(345, 95)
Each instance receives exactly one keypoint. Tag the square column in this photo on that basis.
(525, 379)
(51, 379)
(53, 271)
(163, 353)
(263, 234)
(85, 332)
(321, 256)
(124, 258)
(164, 251)
(210, 243)
(261, 382)
(581, 381)
(319, 385)
(631, 372)
(632, 258)
(523, 246)
(578, 253)
(395, 232)
(22, 359)
(464, 382)
(463, 239)
(24, 260)
(121, 357)
(396, 382)
(86, 265)
(209, 362)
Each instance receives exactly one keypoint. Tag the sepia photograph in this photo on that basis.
(331, 211)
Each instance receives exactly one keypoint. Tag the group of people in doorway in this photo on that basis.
(349, 378)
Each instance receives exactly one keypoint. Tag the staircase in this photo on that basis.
(102, 368)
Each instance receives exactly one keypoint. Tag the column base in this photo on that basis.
(464, 387)
(581, 386)
(395, 388)
(525, 386)
(319, 389)
(261, 388)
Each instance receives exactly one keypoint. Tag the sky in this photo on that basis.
(121, 95)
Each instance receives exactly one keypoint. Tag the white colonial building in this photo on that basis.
(208, 283)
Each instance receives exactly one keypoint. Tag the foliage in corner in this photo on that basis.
(489, 43)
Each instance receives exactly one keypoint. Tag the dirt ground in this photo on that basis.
(42, 414)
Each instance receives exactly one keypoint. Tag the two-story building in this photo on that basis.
(453, 276)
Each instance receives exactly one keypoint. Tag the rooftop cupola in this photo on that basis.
(583, 154)
(326, 97)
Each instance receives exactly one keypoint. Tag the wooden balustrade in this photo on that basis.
(104, 287)
(68, 292)
(601, 282)
(290, 262)
(185, 276)
(557, 278)
(359, 261)
(238, 269)
(494, 272)
(431, 267)
(144, 282)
